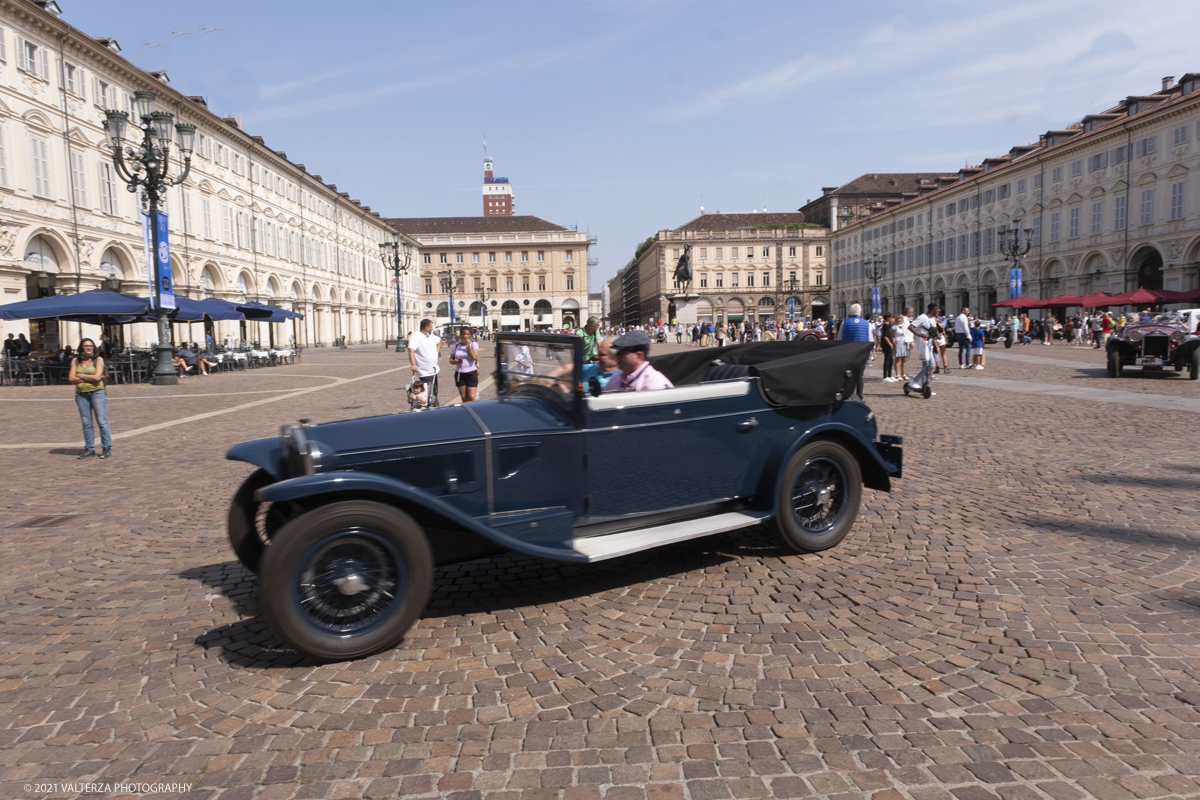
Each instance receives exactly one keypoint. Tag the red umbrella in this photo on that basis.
(1137, 297)
(1167, 296)
(1064, 300)
(1097, 300)
(1020, 302)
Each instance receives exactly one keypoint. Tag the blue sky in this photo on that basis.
(625, 117)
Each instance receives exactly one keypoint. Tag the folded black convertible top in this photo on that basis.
(801, 373)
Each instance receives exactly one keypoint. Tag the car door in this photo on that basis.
(670, 452)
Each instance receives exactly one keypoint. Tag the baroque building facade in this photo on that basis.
(1111, 203)
(533, 273)
(247, 224)
(745, 267)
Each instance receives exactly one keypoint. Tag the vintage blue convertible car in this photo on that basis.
(344, 522)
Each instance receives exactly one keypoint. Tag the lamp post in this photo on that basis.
(1013, 249)
(874, 269)
(484, 296)
(112, 284)
(450, 281)
(793, 285)
(147, 164)
(397, 256)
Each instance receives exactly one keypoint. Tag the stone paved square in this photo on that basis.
(1019, 618)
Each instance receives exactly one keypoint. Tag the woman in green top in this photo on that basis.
(87, 373)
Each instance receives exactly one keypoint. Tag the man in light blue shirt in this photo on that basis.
(604, 367)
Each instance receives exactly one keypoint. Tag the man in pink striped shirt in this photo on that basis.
(636, 374)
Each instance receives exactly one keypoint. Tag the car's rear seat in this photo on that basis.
(725, 372)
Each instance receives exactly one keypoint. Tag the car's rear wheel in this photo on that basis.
(819, 497)
(242, 521)
(1194, 367)
(1114, 364)
(346, 580)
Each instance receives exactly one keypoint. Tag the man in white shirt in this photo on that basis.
(924, 329)
(424, 347)
(962, 332)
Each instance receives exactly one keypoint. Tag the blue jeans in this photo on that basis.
(94, 403)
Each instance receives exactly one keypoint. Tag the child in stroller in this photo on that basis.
(418, 398)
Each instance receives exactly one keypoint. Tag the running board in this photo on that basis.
(598, 548)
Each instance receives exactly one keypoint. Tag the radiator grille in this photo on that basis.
(1155, 346)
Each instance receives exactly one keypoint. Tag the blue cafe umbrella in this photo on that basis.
(96, 304)
(277, 314)
(189, 310)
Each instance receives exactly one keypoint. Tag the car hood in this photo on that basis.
(436, 425)
(1151, 330)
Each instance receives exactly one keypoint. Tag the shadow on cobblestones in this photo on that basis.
(1128, 535)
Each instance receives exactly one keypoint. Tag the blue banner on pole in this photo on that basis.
(149, 257)
(451, 306)
(164, 281)
(876, 304)
(791, 308)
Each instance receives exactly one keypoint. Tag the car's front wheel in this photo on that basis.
(345, 580)
(242, 521)
(1114, 364)
(819, 497)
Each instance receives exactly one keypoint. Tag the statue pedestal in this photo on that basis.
(685, 308)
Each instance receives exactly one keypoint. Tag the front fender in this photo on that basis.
(876, 471)
(267, 454)
(399, 493)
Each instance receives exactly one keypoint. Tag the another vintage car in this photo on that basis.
(1155, 342)
(344, 522)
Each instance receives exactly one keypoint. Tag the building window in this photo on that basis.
(950, 249)
(41, 167)
(989, 196)
(32, 59)
(185, 198)
(1021, 186)
(1056, 175)
(1097, 217)
(108, 190)
(1037, 181)
(524, 283)
(1147, 146)
(1098, 162)
(733, 280)
(570, 283)
(1177, 200)
(749, 278)
(766, 252)
(704, 281)
(1073, 224)
(989, 241)
(492, 283)
(570, 255)
(428, 286)
(1120, 154)
(1181, 134)
(508, 256)
(491, 258)
(428, 258)
(458, 258)
(1055, 225)
(442, 259)
(962, 205)
(1147, 206)
(541, 255)
(1077, 168)
(720, 280)
(733, 252)
(975, 244)
(675, 253)
(1003, 191)
(79, 180)
(820, 279)
(541, 283)
(508, 286)
(791, 252)
(718, 256)
(791, 276)
(206, 217)
(525, 255)
(766, 279)
(474, 258)
(820, 251)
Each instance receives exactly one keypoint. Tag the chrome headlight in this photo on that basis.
(1135, 336)
(1178, 336)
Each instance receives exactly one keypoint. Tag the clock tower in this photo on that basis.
(497, 193)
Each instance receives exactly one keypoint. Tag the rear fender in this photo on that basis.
(433, 513)
(875, 471)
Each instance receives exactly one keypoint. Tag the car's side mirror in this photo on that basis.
(594, 387)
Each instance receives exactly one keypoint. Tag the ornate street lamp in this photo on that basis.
(146, 163)
(450, 281)
(484, 296)
(112, 284)
(875, 269)
(1013, 249)
(793, 289)
(397, 256)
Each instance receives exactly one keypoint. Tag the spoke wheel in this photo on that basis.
(819, 497)
(346, 580)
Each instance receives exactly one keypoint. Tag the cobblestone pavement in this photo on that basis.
(1020, 618)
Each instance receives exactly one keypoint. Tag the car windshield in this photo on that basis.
(550, 364)
(1168, 318)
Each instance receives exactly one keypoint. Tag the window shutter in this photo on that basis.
(20, 45)
(43, 64)
(106, 192)
(3, 51)
(3, 159)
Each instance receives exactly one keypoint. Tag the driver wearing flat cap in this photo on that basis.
(636, 375)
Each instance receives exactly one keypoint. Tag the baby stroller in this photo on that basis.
(418, 394)
(661, 337)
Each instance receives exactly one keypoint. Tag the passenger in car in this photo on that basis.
(605, 367)
(636, 375)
